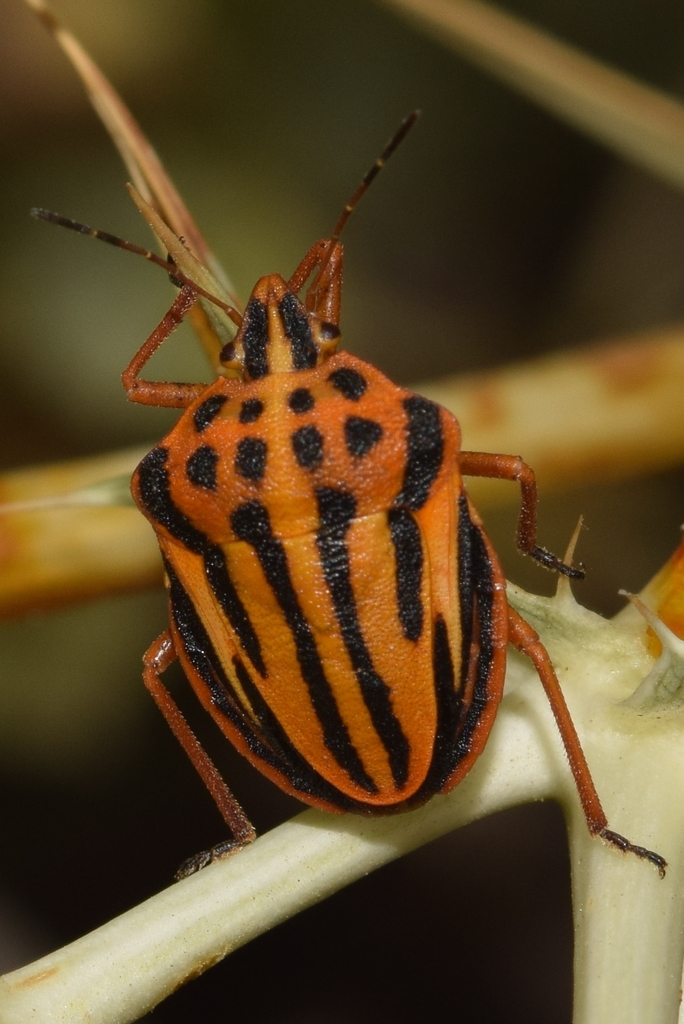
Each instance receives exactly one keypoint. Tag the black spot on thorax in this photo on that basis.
(250, 459)
(300, 400)
(208, 411)
(307, 445)
(348, 382)
(201, 466)
(361, 435)
(251, 410)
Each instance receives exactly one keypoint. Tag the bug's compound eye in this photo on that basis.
(230, 360)
(329, 332)
(328, 337)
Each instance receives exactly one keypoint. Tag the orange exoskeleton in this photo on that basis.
(334, 600)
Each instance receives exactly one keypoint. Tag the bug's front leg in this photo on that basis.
(526, 640)
(157, 659)
(512, 467)
(162, 393)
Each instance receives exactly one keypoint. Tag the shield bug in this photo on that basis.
(334, 599)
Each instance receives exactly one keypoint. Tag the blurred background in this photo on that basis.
(495, 234)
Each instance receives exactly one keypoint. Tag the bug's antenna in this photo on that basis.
(177, 276)
(370, 175)
(368, 178)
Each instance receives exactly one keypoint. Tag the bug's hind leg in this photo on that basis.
(526, 640)
(157, 659)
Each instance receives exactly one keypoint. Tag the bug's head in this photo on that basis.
(282, 334)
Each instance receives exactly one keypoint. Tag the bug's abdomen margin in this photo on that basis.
(468, 681)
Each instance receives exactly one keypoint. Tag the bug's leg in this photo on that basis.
(157, 659)
(161, 393)
(512, 467)
(524, 638)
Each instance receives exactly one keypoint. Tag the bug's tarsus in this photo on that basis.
(206, 857)
(556, 564)
(615, 839)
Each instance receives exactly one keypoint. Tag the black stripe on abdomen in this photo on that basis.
(408, 557)
(483, 623)
(267, 741)
(155, 493)
(336, 510)
(252, 524)
(227, 596)
(477, 600)
(424, 452)
(456, 723)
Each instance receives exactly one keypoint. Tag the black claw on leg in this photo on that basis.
(624, 844)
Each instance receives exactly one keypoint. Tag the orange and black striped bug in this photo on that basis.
(334, 600)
